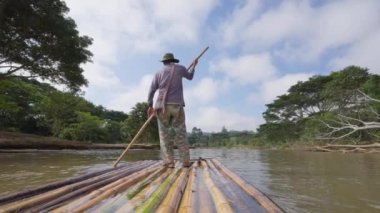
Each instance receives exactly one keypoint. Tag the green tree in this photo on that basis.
(113, 132)
(136, 118)
(38, 38)
(87, 128)
(195, 136)
(59, 109)
(292, 116)
(19, 99)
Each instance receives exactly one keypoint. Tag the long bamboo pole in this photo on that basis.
(260, 197)
(198, 57)
(134, 139)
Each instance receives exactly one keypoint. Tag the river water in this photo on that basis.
(298, 181)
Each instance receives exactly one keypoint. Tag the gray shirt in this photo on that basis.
(175, 90)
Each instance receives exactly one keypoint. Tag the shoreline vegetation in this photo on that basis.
(21, 141)
(13, 142)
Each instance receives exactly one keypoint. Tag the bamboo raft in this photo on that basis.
(146, 186)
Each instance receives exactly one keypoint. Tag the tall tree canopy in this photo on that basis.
(296, 115)
(38, 39)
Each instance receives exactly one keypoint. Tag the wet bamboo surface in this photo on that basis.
(146, 186)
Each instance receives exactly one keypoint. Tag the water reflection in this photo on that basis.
(324, 182)
(298, 181)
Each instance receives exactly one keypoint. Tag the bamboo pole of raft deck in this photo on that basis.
(261, 198)
(173, 197)
(47, 196)
(98, 195)
(139, 186)
(227, 186)
(51, 186)
(155, 199)
(187, 197)
(142, 196)
(220, 201)
(112, 205)
(134, 139)
(110, 178)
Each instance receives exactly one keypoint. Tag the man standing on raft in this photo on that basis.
(169, 108)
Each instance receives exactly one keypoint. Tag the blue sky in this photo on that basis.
(258, 49)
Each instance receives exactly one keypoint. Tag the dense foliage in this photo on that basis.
(224, 138)
(135, 121)
(322, 109)
(38, 39)
(307, 110)
(32, 107)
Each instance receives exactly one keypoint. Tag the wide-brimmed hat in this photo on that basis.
(169, 57)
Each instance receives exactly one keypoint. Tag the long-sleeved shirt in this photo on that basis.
(175, 90)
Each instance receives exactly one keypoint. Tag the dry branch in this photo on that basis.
(346, 123)
(348, 148)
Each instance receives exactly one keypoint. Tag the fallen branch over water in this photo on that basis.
(367, 148)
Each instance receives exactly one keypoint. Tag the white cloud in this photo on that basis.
(298, 32)
(269, 90)
(236, 23)
(251, 68)
(126, 98)
(364, 53)
(206, 90)
(289, 21)
(211, 118)
(141, 25)
(100, 76)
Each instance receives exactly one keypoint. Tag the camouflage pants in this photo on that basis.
(172, 128)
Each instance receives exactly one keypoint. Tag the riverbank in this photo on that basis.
(12, 141)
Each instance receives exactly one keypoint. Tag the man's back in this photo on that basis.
(175, 90)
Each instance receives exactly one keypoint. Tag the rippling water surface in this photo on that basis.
(298, 181)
